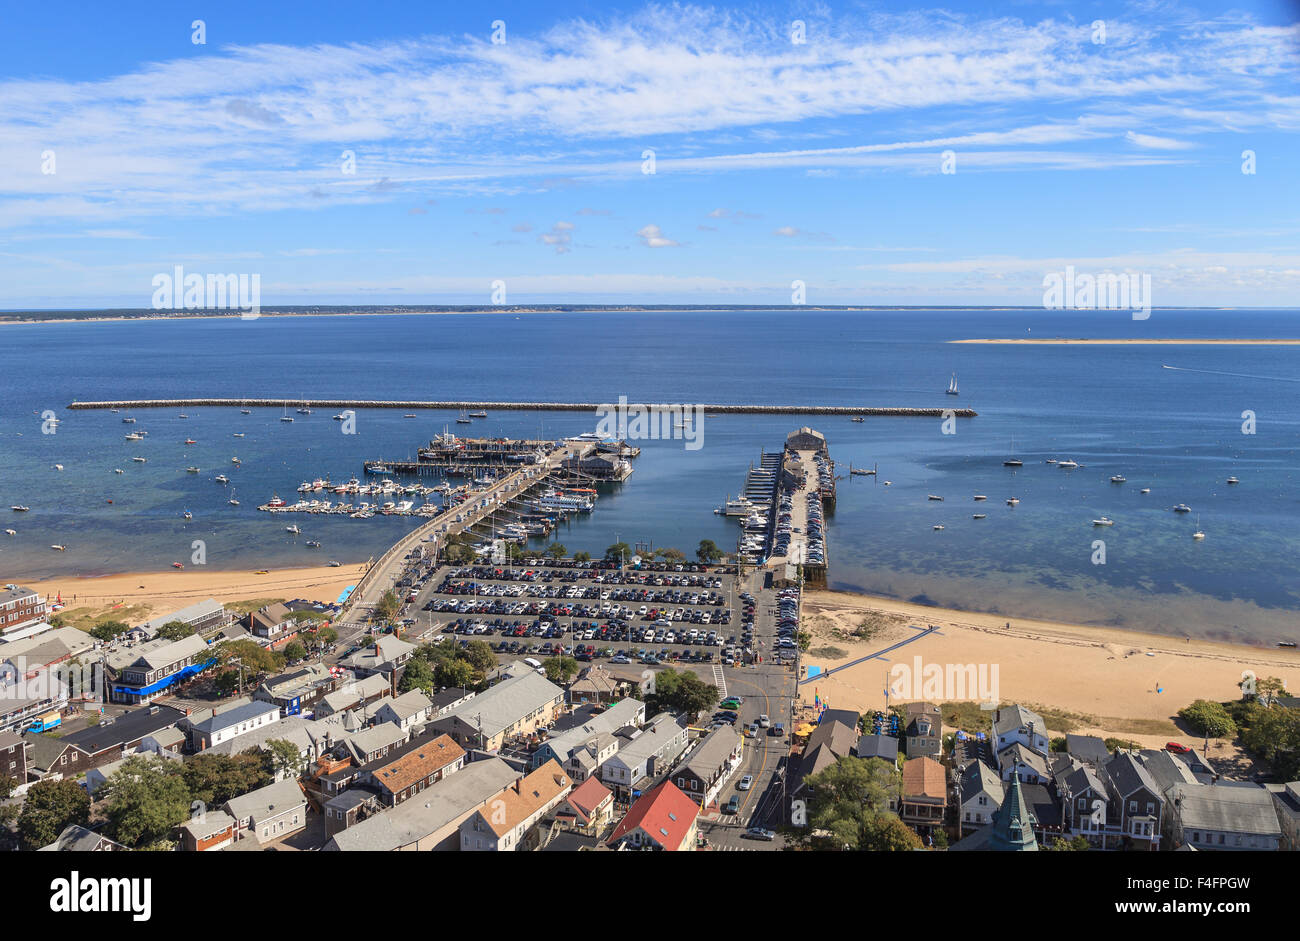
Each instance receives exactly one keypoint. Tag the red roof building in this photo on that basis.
(663, 819)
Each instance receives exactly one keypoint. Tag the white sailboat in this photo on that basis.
(1199, 534)
(952, 385)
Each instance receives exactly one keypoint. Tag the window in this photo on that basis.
(1151, 807)
(1132, 807)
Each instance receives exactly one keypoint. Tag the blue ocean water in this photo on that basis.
(1114, 409)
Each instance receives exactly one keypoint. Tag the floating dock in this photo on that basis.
(525, 406)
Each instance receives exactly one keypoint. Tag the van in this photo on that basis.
(534, 663)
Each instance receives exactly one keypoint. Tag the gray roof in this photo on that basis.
(1019, 754)
(1128, 775)
(1229, 806)
(501, 706)
(712, 752)
(979, 778)
(212, 822)
(1009, 719)
(351, 693)
(615, 717)
(225, 720)
(877, 746)
(662, 729)
(266, 801)
(384, 650)
(1166, 770)
(188, 614)
(1083, 778)
(375, 738)
(408, 704)
(192, 646)
(1087, 747)
(430, 810)
(294, 729)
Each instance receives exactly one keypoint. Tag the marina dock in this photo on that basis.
(863, 410)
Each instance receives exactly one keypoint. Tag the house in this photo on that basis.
(1012, 828)
(588, 745)
(1286, 799)
(588, 809)
(432, 822)
(13, 758)
(884, 747)
(406, 711)
(980, 794)
(1138, 799)
(1087, 748)
(501, 822)
(203, 616)
(270, 812)
(925, 793)
(384, 656)
(145, 672)
(19, 607)
(358, 694)
(1027, 763)
(166, 742)
(923, 730)
(448, 699)
(271, 622)
(1227, 816)
(597, 684)
(225, 726)
(663, 818)
(77, 839)
(1017, 725)
(102, 743)
(210, 830)
(307, 736)
(709, 764)
(348, 808)
(33, 654)
(518, 705)
(410, 768)
(1087, 806)
(836, 736)
(373, 743)
(644, 754)
(297, 691)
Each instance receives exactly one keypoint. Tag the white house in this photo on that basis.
(227, 725)
(407, 710)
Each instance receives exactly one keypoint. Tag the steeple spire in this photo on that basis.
(1013, 824)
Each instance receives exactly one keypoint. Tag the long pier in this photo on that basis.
(526, 406)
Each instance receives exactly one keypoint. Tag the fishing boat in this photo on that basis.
(1182, 508)
(17, 508)
(1233, 480)
(191, 470)
(1104, 521)
(221, 479)
(979, 516)
(478, 414)
(1118, 479)
(952, 385)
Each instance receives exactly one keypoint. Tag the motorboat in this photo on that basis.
(1067, 463)
(332, 564)
(1013, 462)
(979, 516)
(1104, 521)
(313, 543)
(933, 497)
(239, 434)
(1118, 479)
(178, 565)
(980, 496)
(188, 515)
(191, 470)
(293, 529)
(1013, 501)
(139, 460)
(1182, 508)
(938, 526)
(118, 470)
(59, 548)
(221, 479)
(17, 508)
(58, 467)
(12, 532)
(190, 441)
(1145, 490)
(1233, 480)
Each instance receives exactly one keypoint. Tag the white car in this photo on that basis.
(745, 783)
(764, 722)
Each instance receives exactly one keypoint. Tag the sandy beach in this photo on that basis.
(1107, 675)
(1081, 341)
(135, 596)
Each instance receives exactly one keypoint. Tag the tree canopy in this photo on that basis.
(49, 808)
(146, 799)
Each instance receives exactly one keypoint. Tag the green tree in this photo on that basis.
(479, 655)
(417, 675)
(175, 630)
(582, 557)
(1076, 845)
(326, 635)
(556, 550)
(885, 833)
(49, 808)
(680, 691)
(284, 758)
(214, 778)
(146, 798)
(107, 630)
(1209, 718)
(454, 673)
(560, 670)
(804, 640)
(669, 554)
(708, 552)
(388, 606)
(294, 650)
(1268, 689)
(618, 552)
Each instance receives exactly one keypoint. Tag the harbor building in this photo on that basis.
(19, 608)
(143, 673)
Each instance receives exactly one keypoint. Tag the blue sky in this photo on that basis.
(522, 162)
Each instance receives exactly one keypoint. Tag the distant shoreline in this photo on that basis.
(1069, 341)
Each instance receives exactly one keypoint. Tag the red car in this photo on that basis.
(1175, 747)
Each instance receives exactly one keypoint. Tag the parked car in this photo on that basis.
(1176, 747)
(760, 833)
(745, 783)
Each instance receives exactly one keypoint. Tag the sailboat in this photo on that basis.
(463, 419)
(1013, 461)
(1199, 534)
(952, 385)
(232, 501)
(286, 416)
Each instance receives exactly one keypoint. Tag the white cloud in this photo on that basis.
(652, 237)
(1152, 142)
(788, 231)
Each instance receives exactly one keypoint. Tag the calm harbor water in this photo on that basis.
(1114, 409)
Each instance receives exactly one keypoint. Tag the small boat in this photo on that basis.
(221, 479)
(292, 529)
(59, 548)
(980, 516)
(1104, 521)
(245, 411)
(857, 419)
(188, 515)
(933, 497)
(239, 434)
(1233, 480)
(1013, 462)
(190, 441)
(182, 415)
(128, 421)
(340, 417)
(232, 501)
(1013, 501)
(17, 508)
(235, 460)
(332, 564)
(478, 414)
(1145, 490)
(134, 436)
(1199, 534)
(463, 419)
(191, 470)
(304, 411)
(12, 532)
(1182, 508)
(261, 572)
(286, 418)
(404, 416)
(1118, 479)
(1067, 463)
(139, 460)
(980, 496)
(888, 482)
(58, 467)
(313, 544)
(938, 526)
(178, 565)
(118, 470)
(1286, 643)
(952, 385)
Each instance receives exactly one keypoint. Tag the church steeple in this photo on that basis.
(1013, 824)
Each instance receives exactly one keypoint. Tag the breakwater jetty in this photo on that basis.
(525, 406)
